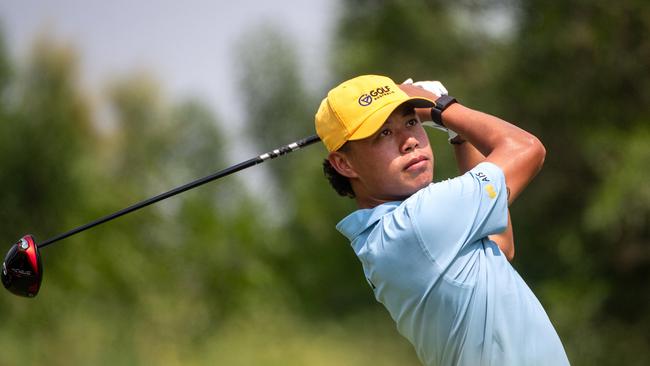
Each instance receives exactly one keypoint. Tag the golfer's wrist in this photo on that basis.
(441, 104)
(449, 113)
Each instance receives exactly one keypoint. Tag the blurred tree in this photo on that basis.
(219, 253)
(178, 268)
(275, 99)
(45, 136)
(5, 68)
(46, 125)
(201, 244)
(308, 253)
(578, 73)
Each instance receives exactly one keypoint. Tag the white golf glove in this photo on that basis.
(438, 89)
(434, 87)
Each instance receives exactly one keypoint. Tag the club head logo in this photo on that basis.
(365, 100)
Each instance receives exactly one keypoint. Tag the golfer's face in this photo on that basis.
(397, 160)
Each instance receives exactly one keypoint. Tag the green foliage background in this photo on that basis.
(236, 273)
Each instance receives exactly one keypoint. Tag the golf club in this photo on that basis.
(22, 270)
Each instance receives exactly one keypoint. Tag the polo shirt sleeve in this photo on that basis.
(451, 214)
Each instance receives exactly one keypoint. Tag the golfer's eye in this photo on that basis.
(412, 122)
(385, 132)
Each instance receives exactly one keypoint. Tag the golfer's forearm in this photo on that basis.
(518, 153)
(467, 156)
(484, 131)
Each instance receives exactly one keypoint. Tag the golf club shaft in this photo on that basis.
(233, 169)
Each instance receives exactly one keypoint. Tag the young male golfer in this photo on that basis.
(437, 254)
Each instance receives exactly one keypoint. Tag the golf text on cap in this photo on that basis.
(366, 99)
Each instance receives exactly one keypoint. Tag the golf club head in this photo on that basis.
(22, 270)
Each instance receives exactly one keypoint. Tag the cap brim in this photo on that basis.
(377, 119)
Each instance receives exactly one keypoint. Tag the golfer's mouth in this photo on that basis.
(416, 163)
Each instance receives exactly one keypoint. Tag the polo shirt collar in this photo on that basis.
(358, 221)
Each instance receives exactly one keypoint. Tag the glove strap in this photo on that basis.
(441, 104)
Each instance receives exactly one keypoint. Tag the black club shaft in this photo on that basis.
(220, 174)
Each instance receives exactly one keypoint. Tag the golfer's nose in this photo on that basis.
(410, 144)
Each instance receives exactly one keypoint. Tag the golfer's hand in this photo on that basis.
(436, 88)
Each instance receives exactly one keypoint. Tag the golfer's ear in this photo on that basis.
(341, 163)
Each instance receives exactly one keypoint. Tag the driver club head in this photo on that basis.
(22, 271)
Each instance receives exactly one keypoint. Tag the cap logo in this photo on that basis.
(367, 98)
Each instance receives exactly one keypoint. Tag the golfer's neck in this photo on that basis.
(365, 201)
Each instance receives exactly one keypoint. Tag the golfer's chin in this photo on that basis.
(421, 185)
(419, 174)
(414, 185)
(420, 179)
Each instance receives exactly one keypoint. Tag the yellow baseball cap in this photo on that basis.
(358, 107)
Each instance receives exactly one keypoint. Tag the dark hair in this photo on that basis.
(340, 183)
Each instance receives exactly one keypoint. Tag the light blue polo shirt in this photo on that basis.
(451, 291)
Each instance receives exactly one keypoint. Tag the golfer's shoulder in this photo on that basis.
(448, 199)
(486, 172)
(481, 175)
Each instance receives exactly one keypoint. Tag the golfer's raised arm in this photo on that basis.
(518, 153)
